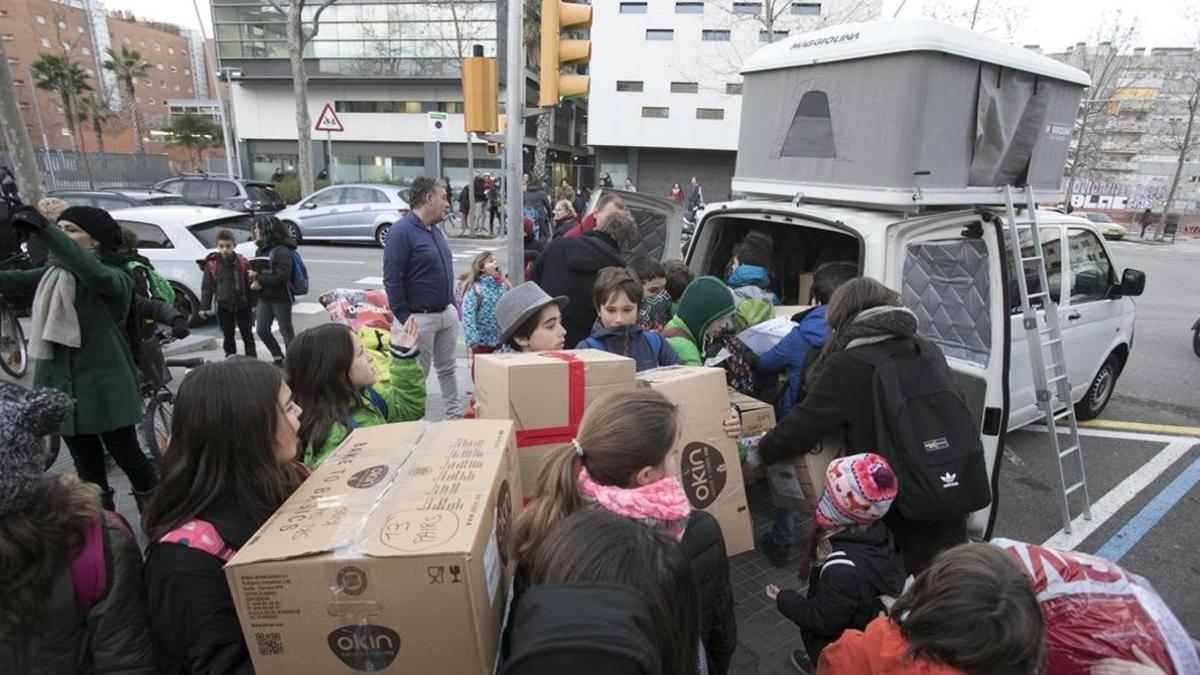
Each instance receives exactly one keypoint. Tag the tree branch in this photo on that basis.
(316, 22)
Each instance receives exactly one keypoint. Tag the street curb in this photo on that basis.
(192, 343)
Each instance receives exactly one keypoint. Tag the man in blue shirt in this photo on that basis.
(418, 275)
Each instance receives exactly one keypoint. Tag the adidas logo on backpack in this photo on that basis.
(949, 480)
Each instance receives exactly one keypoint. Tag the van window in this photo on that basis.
(1052, 251)
(149, 236)
(1091, 270)
(811, 133)
(239, 226)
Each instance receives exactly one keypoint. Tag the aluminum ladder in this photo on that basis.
(1050, 379)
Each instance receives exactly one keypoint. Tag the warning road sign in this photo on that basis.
(328, 121)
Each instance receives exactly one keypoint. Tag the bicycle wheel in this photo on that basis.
(14, 355)
(155, 428)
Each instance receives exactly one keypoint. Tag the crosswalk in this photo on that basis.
(377, 282)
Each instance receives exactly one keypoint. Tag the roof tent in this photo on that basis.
(903, 114)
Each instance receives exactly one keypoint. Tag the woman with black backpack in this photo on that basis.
(274, 284)
(869, 323)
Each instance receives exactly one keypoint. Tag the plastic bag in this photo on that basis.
(1095, 610)
(358, 308)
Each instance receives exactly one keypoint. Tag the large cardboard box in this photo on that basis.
(790, 310)
(757, 419)
(798, 484)
(546, 394)
(391, 557)
(804, 295)
(707, 459)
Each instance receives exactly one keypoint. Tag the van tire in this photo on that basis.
(1100, 391)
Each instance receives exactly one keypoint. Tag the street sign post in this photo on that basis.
(328, 122)
(439, 124)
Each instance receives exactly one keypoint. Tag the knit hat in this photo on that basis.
(25, 419)
(704, 301)
(95, 222)
(859, 489)
(519, 303)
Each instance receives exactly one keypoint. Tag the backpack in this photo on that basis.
(927, 433)
(739, 366)
(202, 536)
(751, 313)
(210, 265)
(160, 288)
(299, 282)
(89, 567)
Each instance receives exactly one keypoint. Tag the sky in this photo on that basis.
(1052, 24)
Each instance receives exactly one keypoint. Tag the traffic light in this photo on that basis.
(557, 52)
(480, 91)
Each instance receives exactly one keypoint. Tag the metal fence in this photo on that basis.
(65, 170)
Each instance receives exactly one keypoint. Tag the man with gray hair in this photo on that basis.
(569, 266)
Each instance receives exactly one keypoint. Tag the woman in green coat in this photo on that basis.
(81, 300)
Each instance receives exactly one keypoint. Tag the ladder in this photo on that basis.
(1050, 379)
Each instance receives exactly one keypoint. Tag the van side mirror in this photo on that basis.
(1133, 283)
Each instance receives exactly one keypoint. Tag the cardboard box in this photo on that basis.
(790, 310)
(392, 556)
(546, 394)
(806, 283)
(757, 419)
(708, 462)
(798, 485)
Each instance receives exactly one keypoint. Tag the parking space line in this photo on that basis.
(335, 262)
(1168, 429)
(1128, 536)
(1107, 506)
(307, 308)
(370, 281)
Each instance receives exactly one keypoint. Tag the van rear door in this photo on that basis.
(951, 271)
(660, 223)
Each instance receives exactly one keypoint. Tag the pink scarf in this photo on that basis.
(661, 504)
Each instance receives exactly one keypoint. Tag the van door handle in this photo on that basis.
(1074, 316)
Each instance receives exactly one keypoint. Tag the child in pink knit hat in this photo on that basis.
(851, 560)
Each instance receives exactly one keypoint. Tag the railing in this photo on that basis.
(65, 170)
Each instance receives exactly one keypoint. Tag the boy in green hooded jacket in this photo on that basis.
(700, 315)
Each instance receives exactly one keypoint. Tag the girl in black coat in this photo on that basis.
(274, 284)
(862, 312)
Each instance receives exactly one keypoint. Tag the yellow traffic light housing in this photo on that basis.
(557, 52)
(480, 81)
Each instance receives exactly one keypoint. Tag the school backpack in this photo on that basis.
(89, 567)
(925, 430)
(752, 312)
(202, 536)
(160, 288)
(299, 283)
(210, 265)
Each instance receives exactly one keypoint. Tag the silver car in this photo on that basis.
(354, 212)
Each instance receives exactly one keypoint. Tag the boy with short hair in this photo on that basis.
(678, 277)
(655, 309)
(616, 296)
(227, 283)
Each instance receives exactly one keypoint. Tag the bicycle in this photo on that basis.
(155, 428)
(14, 351)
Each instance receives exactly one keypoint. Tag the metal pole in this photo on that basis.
(37, 111)
(329, 156)
(514, 107)
(211, 68)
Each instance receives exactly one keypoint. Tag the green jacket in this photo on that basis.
(680, 338)
(100, 375)
(405, 399)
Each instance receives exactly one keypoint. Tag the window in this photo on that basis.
(18, 83)
(79, 29)
(7, 37)
(174, 69)
(733, 88)
(363, 196)
(175, 186)
(811, 133)
(327, 198)
(90, 72)
(112, 204)
(66, 131)
(170, 50)
(747, 8)
(225, 189)
(242, 228)
(186, 71)
(715, 35)
(46, 43)
(159, 66)
(176, 87)
(157, 47)
(806, 8)
(125, 40)
(1051, 252)
(66, 46)
(710, 113)
(86, 51)
(149, 236)
(685, 88)
(629, 85)
(40, 19)
(779, 35)
(62, 25)
(633, 8)
(659, 34)
(689, 8)
(657, 113)
(412, 107)
(1091, 270)
(162, 84)
(151, 100)
(141, 43)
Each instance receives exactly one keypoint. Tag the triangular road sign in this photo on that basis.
(328, 120)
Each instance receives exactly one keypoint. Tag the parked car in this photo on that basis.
(224, 192)
(349, 212)
(1106, 226)
(113, 198)
(174, 238)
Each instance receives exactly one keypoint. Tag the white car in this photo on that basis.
(354, 212)
(174, 238)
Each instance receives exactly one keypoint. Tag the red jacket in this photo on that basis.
(879, 650)
(587, 225)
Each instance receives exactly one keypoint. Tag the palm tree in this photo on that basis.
(61, 74)
(93, 109)
(195, 132)
(128, 66)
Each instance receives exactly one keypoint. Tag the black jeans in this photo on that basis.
(242, 320)
(269, 312)
(88, 453)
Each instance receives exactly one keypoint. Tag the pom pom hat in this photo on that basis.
(859, 490)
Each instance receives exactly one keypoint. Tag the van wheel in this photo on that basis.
(381, 234)
(1100, 391)
(293, 231)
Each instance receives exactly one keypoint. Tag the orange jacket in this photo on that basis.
(879, 650)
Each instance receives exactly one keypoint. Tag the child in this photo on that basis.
(972, 611)
(616, 296)
(701, 314)
(72, 601)
(530, 320)
(751, 283)
(333, 380)
(229, 466)
(678, 276)
(274, 285)
(227, 282)
(852, 558)
(655, 309)
(481, 291)
(619, 463)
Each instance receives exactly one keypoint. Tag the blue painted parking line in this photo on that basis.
(1128, 536)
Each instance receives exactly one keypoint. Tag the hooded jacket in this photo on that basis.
(844, 592)
(705, 546)
(705, 301)
(568, 267)
(582, 629)
(276, 281)
(879, 650)
(225, 281)
(634, 342)
(792, 354)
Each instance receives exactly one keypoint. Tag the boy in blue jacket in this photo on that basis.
(794, 354)
(616, 295)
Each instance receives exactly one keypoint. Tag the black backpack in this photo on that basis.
(927, 433)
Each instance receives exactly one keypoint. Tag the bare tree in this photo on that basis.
(1184, 138)
(298, 37)
(1001, 19)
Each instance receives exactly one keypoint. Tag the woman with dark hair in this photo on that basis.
(676, 193)
(274, 285)
(608, 595)
(82, 311)
(840, 399)
(230, 464)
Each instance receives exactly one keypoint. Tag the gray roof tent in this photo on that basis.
(852, 113)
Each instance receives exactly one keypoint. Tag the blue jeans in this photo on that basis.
(783, 531)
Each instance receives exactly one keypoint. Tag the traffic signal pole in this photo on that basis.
(514, 96)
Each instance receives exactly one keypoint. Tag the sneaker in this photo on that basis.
(278, 361)
(800, 661)
(776, 554)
